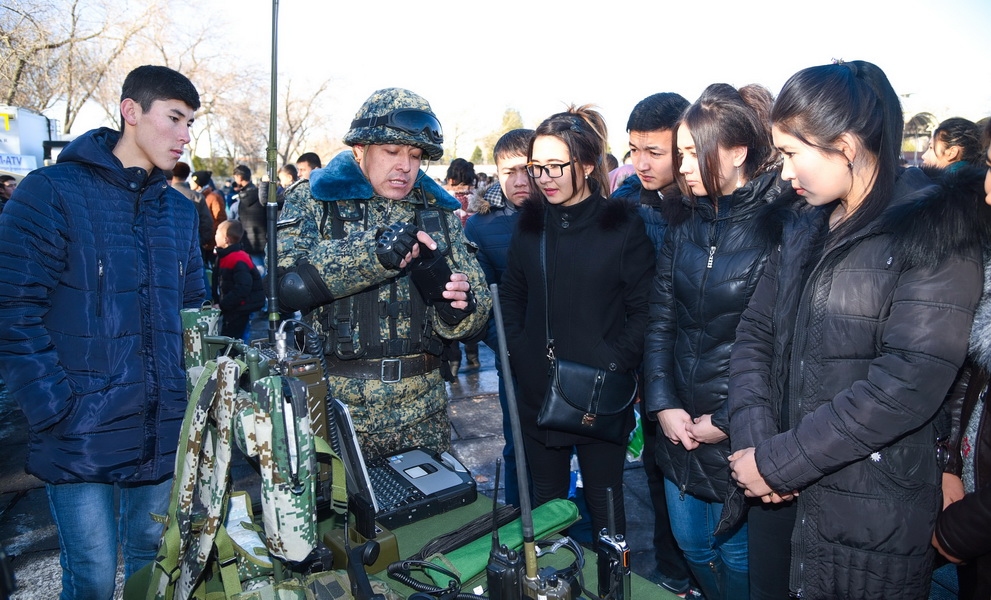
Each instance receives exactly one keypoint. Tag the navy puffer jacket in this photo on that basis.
(99, 260)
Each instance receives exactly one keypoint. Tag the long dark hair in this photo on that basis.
(583, 131)
(817, 105)
(724, 117)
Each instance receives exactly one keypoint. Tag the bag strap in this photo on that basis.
(339, 490)
(543, 276)
(166, 572)
(199, 444)
(227, 561)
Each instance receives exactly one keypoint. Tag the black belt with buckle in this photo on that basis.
(386, 370)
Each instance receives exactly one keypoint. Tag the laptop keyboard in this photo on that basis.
(391, 490)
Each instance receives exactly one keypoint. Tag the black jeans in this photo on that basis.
(601, 466)
(770, 527)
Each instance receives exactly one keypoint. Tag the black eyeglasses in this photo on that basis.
(409, 120)
(553, 171)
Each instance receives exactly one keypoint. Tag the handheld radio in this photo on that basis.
(504, 570)
(613, 556)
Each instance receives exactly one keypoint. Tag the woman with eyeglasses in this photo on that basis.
(712, 257)
(599, 262)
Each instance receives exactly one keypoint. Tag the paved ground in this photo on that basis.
(28, 535)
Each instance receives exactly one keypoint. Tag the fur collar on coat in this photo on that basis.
(932, 215)
(342, 179)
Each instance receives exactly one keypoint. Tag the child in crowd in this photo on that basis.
(236, 282)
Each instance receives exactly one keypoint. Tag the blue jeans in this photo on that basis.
(89, 530)
(725, 556)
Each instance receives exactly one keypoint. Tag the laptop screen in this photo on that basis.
(359, 484)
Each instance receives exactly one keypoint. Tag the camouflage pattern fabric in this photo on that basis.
(200, 490)
(411, 412)
(382, 102)
(196, 323)
(202, 515)
(277, 432)
(331, 585)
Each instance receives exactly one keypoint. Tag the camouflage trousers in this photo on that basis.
(393, 416)
(433, 431)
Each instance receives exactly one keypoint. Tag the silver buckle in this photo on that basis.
(386, 362)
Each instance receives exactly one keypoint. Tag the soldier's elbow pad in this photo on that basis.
(452, 316)
(303, 289)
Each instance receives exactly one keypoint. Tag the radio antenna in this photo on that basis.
(526, 512)
(272, 206)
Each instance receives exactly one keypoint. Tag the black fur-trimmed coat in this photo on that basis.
(599, 266)
(862, 355)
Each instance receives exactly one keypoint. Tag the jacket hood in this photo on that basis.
(491, 198)
(931, 218)
(95, 148)
(342, 179)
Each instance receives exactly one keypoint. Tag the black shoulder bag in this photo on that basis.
(581, 399)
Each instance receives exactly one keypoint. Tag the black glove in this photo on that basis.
(303, 289)
(452, 316)
(395, 243)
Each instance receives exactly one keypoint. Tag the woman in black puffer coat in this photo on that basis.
(852, 338)
(707, 270)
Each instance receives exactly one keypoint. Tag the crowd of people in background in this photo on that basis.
(808, 317)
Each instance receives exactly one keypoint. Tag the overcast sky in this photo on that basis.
(472, 60)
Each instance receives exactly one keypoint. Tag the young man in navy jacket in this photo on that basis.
(101, 254)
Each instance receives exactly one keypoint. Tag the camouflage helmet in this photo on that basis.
(397, 116)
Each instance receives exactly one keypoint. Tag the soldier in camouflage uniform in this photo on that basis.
(351, 235)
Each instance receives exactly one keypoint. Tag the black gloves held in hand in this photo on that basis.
(395, 243)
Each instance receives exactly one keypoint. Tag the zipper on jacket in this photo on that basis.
(712, 255)
(181, 274)
(99, 287)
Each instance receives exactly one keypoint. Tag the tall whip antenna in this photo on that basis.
(272, 206)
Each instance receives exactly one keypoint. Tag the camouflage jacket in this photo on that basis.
(349, 266)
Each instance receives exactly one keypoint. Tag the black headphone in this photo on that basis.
(401, 572)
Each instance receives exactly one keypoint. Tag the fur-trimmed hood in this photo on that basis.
(946, 214)
(342, 179)
(932, 215)
(613, 214)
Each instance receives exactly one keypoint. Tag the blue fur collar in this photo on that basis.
(342, 179)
